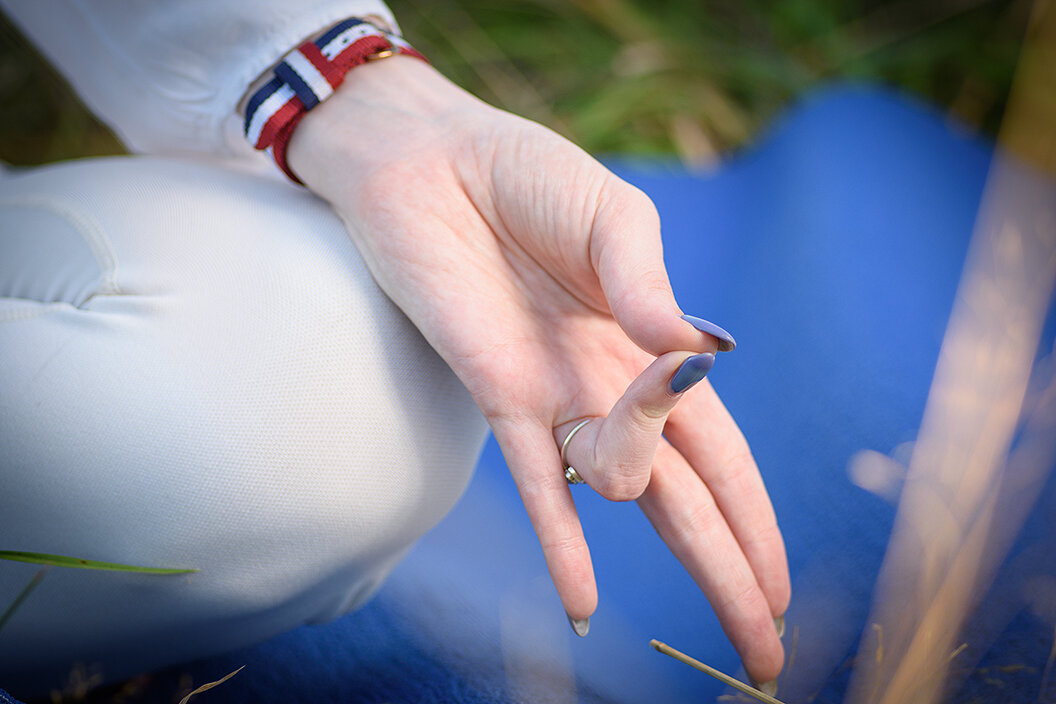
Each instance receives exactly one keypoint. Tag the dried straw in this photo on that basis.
(967, 492)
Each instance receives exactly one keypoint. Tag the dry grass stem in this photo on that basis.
(968, 491)
(960, 649)
(205, 687)
(709, 670)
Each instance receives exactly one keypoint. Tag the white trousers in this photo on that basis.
(197, 370)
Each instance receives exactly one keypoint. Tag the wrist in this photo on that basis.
(307, 76)
(398, 105)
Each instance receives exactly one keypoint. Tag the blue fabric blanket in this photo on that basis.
(831, 250)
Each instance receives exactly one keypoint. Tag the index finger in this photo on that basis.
(627, 255)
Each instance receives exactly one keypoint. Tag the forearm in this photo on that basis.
(167, 77)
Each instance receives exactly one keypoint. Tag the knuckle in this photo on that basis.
(765, 537)
(622, 479)
(649, 416)
(620, 486)
(736, 465)
(538, 484)
(702, 519)
(562, 544)
(751, 604)
(620, 201)
(636, 200)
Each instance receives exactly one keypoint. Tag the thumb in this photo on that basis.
(628, 258)
(614, 454)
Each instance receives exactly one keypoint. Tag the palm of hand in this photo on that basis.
(489, 251)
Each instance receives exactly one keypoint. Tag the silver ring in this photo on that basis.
(571, 475)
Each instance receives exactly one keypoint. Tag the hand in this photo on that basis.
(538, 276)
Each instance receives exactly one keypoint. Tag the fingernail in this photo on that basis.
(580, 625)
(769, 688)
(779, 624)
(726, 341)
(692, 370)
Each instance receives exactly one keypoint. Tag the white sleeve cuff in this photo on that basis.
(167, 77)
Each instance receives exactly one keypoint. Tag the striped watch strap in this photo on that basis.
(307, 76)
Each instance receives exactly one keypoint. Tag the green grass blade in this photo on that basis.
(36, 579)
(41, 558)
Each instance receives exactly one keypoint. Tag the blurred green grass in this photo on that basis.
(693, 79)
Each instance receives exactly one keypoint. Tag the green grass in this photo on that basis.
(678, 77)
(40, 558)
(49, 561)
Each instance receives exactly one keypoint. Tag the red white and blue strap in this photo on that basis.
(307, 76)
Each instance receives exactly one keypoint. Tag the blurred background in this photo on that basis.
(680, 78)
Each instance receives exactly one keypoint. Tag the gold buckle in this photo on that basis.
(379, 55)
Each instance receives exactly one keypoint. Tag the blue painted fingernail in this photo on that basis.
(692, 370)
(726, 341)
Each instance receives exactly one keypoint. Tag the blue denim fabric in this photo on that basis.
(6, 698)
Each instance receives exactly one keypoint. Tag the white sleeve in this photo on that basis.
(167, 75)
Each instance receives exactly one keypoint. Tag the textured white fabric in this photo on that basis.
(197, 370)
(167, 75)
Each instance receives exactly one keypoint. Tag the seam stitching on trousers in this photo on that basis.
(87, 227)
(33, 309)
